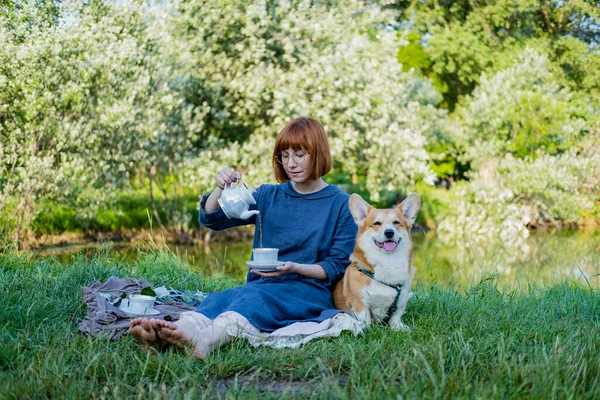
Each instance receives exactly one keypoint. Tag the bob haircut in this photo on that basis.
(304, 134)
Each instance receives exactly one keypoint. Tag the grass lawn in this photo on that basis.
(466, 342)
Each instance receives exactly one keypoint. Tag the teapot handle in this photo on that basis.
(234, 182)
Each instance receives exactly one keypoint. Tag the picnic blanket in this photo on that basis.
(103, 300)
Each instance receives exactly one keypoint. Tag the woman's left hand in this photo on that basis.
(287, 267)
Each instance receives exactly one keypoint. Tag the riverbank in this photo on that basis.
(479, 341)
(129, 218)
(132, 237)
(567, 254)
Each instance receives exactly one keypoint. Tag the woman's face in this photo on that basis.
(295, 163)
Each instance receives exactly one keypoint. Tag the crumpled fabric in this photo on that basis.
(106, 319)
(291, 336)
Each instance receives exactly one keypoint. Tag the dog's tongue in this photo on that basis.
(390, 246)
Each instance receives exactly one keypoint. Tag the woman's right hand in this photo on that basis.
(226, 176)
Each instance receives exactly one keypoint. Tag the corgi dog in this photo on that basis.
(377, 284)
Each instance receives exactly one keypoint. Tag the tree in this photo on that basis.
(464, 38)
(534, 157)
(115, 95)
(522, 111)
(86, 106)
(257, 65)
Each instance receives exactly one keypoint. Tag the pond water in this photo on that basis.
(551, 257)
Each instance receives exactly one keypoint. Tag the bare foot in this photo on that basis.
(144, 330)
(184, 335)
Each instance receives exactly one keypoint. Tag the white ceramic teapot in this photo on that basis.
(236, 199)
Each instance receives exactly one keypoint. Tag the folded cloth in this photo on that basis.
(104, 318)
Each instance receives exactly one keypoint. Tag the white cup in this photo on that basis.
(262, 255)
(141, 304)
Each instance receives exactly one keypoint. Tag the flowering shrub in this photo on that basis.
(114, 93)
(485, 215)
(558, 190)
(519, 110)
(531, 166)
(272, 61)
(86, 107)
(104, 97)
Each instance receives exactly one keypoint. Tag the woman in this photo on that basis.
(305, 218)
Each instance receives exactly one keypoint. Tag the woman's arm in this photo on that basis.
(308, 270)
(332, 267)
(211, 204)
(344, 240)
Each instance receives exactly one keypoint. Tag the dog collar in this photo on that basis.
(394, 307)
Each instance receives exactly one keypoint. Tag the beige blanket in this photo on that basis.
(291, 336)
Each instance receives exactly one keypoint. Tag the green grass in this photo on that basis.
(470, 342)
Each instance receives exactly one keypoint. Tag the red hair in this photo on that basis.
(304, 134)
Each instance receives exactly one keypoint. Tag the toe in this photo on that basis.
(165, 332)
(146, 324)
(160, 323)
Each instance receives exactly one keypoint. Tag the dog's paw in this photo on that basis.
(399, 326)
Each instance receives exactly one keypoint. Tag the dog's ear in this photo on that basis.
(410, 207)
(359, 209)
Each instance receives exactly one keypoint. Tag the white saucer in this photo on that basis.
(265, 266)
(129, 311)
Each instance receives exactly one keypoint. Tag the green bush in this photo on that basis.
(128, 211)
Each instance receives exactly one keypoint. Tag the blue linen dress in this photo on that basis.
(314, 228)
